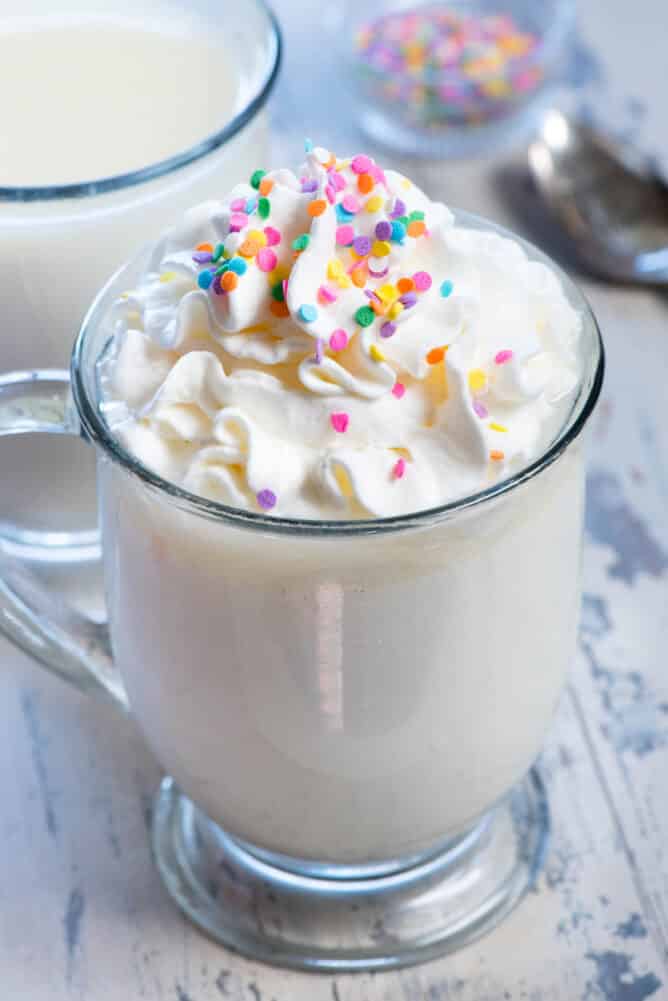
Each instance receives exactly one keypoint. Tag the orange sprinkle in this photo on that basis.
(317, 207)
(266, 184)
(496, 455)
(437, 355)
(279, 309)
(416, 228)
(377, 307)
(229, 281)
(206, 248)
(359, 278)
(365, 183)
(405, 285)
(249, 248)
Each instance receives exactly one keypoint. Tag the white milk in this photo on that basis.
(349, 700)
(90, 97)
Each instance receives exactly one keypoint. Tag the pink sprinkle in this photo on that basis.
(399, 468)
(337, 181)
(266, 259)
(237, 221)
(480, 409)
(361, 165)
(339, 422)
(503, 356)
(326, 295)
(338, 340)
(331, 194)
(398, 390)
(345, 235)
(422, 281)
(238, 205)
(350, 203)
(285, 289)
(273, 236)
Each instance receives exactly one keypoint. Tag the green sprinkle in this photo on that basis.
(365, 316)
(301, 243)
(256, 178)
(416, 217)
(277, 292)
(264, 208)
(218, 253)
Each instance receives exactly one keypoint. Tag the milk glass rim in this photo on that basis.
(96, 429)
(172, 164)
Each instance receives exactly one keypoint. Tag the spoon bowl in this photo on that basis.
(606, 196)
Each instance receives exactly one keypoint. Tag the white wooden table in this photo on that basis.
(82, 912)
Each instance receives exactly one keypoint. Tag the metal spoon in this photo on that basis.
(607, 198)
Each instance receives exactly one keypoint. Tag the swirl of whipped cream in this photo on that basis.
(331, 345)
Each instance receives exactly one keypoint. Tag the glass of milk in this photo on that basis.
(349, 710)
(120, 114)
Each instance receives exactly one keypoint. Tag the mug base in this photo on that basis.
(272, 909)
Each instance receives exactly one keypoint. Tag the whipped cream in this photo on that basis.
(333, 345)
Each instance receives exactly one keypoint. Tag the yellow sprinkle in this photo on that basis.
(374, 204)
(125, 295)
(395, 310)
(279, 274)
(497, 427)
(344, 281)
(495, 88)
(257, 236)
(387, 293)
(376, 353)
(406, 183)
(334, 269)
(477, 380)
(168, 276)
(381, 248)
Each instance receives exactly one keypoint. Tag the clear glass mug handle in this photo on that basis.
(62, 639)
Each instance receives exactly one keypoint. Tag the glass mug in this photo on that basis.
(350, 711)
(73, 236)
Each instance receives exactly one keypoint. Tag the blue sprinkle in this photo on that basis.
(446, 288)
(398, 232)
(204, 279)
(238, 265)
(342, 215)
(251, 204)
(308, 145)
(307, 313)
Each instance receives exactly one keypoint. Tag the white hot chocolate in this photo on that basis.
(334, 346)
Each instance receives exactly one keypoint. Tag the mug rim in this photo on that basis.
(169, 165)
(96, 429)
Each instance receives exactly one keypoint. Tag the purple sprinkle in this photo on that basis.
(362, 245)
(309, 184)
(387, 329)
(266, 499)
(202, 257)
(383, 230)
(408, 300)
(319, 349)
(480, 409)
(399, 209)
(217, 287)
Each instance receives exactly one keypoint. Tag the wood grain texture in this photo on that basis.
(82, 912)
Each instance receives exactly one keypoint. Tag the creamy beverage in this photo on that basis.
(100, 91)
(101, 96)
(335, 347)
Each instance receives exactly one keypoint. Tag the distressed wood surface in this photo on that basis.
(82, 912)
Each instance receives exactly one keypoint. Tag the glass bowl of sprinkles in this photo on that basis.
(458, 77)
